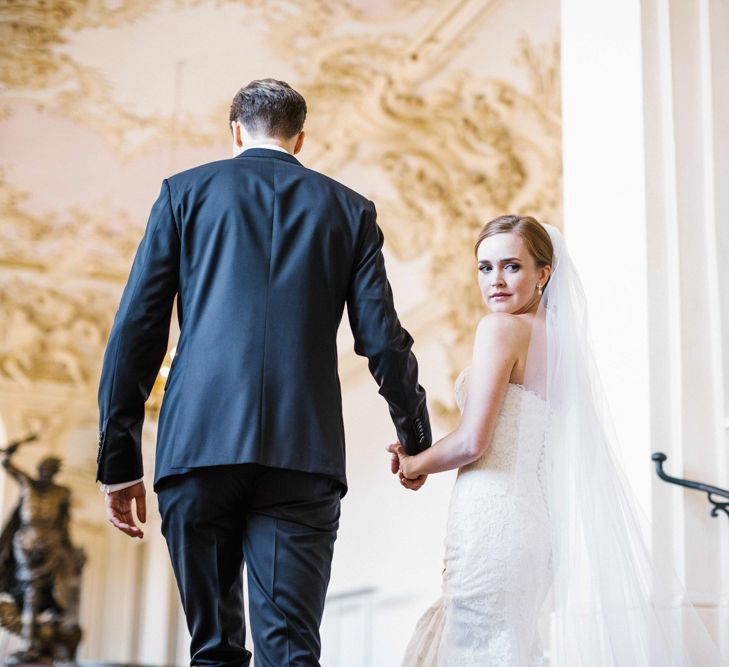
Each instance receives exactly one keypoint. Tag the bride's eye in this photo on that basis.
(513, 267)
(484, 268)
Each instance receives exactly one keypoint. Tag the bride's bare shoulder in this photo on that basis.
(503, 329)
(502, 323)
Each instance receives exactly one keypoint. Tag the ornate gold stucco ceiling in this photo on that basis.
(444, 113)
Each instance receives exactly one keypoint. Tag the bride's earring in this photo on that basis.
(539, 289)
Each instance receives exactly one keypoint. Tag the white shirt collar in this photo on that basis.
(272, 147)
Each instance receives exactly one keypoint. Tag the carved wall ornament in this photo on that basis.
(35, 68)
(96, 243)
(52, 333)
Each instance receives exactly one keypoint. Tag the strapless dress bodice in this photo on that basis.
(518, 435)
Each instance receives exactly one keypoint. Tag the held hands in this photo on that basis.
(119, 509)
(399, 464)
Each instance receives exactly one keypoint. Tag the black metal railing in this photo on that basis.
(710, 491)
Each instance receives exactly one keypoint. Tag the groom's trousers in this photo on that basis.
(282, 524)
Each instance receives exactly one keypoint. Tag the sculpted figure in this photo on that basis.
(40, 569)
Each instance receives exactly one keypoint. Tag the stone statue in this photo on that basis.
(40, 569)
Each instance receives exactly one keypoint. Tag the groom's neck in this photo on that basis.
(268, 142)
(242, 140)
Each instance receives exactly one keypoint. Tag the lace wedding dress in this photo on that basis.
(497, 550)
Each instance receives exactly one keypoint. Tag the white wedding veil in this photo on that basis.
(614, 604)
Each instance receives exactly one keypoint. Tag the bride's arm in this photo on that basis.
(494, 356)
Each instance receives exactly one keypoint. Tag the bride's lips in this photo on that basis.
(500, 295)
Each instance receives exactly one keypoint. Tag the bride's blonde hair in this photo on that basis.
(535, 236)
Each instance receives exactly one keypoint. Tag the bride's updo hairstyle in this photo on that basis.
(535, 237)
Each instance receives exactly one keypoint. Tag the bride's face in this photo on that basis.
(508, 275)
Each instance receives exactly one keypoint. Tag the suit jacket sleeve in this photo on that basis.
(137, 345)
(379, 336)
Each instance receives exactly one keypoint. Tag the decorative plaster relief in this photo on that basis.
(95, 244)
(36, 66)
(52, 332)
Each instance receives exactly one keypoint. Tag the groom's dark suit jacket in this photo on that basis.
(262, 255)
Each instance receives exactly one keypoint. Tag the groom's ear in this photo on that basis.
(237, 136)
(299, 142)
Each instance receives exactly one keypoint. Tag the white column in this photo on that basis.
(110, 595)
(646, 131)
(717, 25)
(685, 109)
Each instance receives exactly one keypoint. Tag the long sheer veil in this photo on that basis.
(613, 603)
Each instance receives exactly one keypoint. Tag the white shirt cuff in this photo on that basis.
(110, 488)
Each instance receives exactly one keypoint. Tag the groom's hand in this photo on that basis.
(119, 509)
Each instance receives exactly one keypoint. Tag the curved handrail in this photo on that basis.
(710, 491)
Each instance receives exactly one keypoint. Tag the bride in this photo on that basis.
(539, 505)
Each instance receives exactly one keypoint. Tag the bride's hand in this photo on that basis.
(400, 464)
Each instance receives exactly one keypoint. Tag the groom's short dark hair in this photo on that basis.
(271, 108)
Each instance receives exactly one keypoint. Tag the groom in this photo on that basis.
(262, 255)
